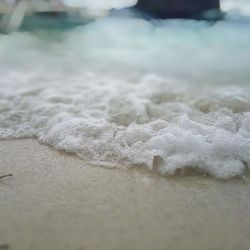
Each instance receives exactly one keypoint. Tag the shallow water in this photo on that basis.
(167, 95)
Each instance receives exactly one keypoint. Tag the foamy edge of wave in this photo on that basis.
(155, 122)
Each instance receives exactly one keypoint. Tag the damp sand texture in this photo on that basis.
(55, 201)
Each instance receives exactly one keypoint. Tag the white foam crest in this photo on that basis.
(115, 123)
(100, 4)
(236, 7)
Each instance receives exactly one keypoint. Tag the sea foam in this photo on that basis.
(170, 95)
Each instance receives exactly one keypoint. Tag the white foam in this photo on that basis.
(240, 7)
(100, 4)
(121, 92)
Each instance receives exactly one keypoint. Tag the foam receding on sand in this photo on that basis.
(168, 95)
(110, 122)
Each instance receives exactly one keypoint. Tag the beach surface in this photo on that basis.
(55, 201)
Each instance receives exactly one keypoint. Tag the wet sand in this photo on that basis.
(55, 201)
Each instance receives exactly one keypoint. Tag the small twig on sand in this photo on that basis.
(4, 247)
(1, 177)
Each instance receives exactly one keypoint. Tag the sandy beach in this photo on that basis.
(146, 97)
(55, 201)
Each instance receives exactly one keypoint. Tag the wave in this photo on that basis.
(167, 95)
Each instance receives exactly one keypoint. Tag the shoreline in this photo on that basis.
(56, 201)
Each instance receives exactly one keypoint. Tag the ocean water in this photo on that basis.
(120, 92)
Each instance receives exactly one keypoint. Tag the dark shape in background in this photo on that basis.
(196, 9)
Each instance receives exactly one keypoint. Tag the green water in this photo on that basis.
(51, 22)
